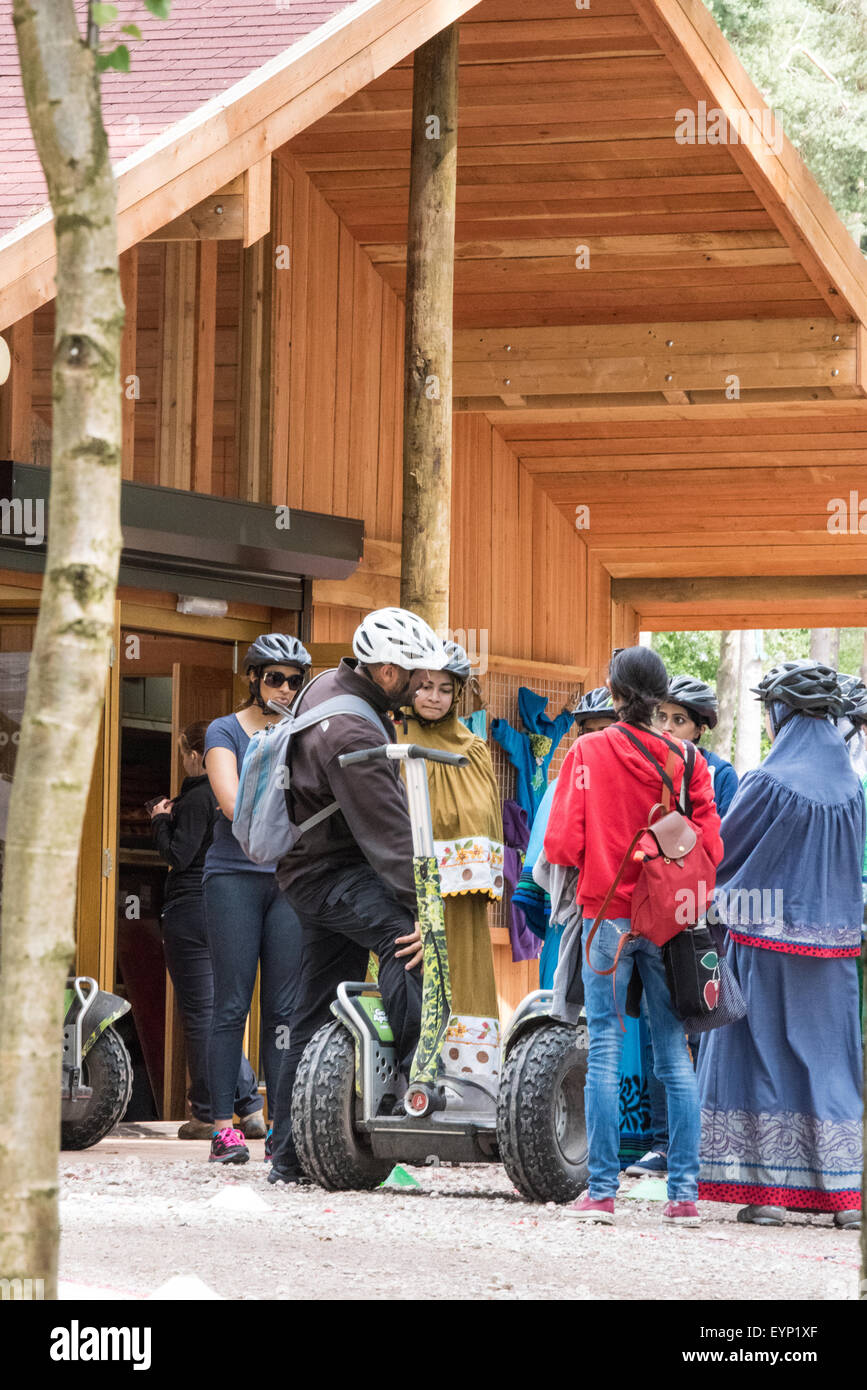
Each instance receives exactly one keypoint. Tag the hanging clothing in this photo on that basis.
(530, 751)
(529, 896)
(524, 943)
(477, 722)
(468, 842)
(780, 1090)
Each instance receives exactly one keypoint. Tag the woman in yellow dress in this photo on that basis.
(468, 839)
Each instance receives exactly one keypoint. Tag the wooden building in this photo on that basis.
(660, 362)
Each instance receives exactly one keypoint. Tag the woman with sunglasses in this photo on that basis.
(249, 921)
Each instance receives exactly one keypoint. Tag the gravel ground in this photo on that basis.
(142, 1208)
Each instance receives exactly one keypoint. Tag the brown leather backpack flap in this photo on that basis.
(674, 835)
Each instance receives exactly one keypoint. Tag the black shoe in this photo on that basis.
(288, 1176)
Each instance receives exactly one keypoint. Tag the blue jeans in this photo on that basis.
(249, 924)
(185, 946)
(671, 1061)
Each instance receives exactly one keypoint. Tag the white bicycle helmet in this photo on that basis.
(401, 638)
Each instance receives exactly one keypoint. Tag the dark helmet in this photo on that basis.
(458, 664)
(272, 648)
(806, 686)
(697, 699)
(853, 693)
(595, 704)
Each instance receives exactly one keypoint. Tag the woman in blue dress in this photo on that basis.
(781, 1089)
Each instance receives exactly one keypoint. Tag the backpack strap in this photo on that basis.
(664, 772)
(338, 704)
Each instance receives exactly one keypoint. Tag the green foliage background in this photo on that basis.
(809, 60)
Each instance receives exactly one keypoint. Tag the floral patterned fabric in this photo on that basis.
(470, 865)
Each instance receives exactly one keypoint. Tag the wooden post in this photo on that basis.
(427, 435)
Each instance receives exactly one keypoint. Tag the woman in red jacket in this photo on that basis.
(604, 793)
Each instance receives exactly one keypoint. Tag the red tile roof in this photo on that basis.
(179, 64)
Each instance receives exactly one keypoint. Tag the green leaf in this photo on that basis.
(133, 30)
(103, 14)
(159, 8)
(117, 58)
(710, 960)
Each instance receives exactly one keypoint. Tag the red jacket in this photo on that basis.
(604, 792)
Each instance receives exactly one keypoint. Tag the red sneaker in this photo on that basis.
(588, 1208)
(681, 1214)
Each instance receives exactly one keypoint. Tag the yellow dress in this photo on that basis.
(468, 835)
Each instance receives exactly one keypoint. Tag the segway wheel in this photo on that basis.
(330, 1148)
(107, 1070)
(541, 1132)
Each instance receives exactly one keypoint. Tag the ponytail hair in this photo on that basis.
(638, 677)
(193, 737)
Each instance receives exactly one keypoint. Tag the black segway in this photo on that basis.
(531, 1118)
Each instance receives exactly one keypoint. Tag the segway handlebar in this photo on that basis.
(397, 752)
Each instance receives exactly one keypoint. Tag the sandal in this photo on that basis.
(762, 1216)
(849, 1220)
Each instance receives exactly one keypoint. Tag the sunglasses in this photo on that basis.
(277, 679)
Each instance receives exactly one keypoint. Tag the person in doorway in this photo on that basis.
(182, 831)
(249, 922)
(350, 878)
(781, 1088)
(468, 837)
(605, 789)
(690, 709)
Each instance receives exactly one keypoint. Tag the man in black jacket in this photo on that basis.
(350, 878)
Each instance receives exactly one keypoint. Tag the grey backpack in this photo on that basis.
(261, 824)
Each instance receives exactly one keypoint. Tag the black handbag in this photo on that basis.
(692, 970)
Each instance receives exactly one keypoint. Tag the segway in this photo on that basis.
(346, 1132)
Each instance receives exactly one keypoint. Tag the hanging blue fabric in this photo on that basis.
(530, 751)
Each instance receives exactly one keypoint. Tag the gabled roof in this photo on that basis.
(178, 65)
(213, 143)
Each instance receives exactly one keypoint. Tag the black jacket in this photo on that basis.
(183, 837)
(373, 821)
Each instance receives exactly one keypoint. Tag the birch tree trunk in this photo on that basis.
(727, 685)
(60, 727)
(748, 743)
(825, 645)
(427, 430)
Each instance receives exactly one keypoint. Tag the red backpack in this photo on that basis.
(677, 874)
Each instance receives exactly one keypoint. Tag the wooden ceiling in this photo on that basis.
(696, 375)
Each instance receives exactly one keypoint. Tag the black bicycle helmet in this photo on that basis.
(806, 686)
(697, 699)
(853, 693)
(272, 648)
(595, 704)
(458, 664)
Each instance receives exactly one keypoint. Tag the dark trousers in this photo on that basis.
(356, 913)
(185, 947)
(249, 924)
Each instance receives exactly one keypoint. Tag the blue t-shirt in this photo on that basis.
(225, 855)
(723, 780)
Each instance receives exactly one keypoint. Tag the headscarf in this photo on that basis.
(465, 801)
(795, 835)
